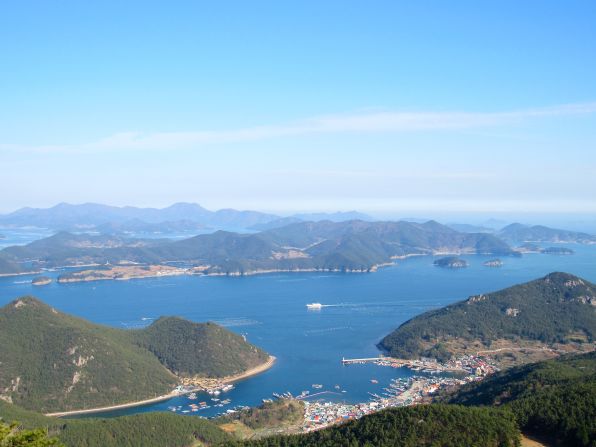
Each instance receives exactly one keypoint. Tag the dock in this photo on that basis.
(416, 365)
(346, 361)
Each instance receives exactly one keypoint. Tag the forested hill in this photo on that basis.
(326, 245)
(219, 353)
(418, 426)
(153, 429)
(557, 308)
(554, 398)
(55, 362)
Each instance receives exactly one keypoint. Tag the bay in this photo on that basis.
(270, 310)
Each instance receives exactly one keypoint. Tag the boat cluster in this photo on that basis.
(400, 392)
(468, 364)
(214, 401)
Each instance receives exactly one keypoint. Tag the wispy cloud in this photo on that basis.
(370, 122)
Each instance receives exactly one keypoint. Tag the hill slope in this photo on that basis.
(418, 426)
(555, 309)
(55, 362)
(555, 398)
(141, 430)
(191, 349)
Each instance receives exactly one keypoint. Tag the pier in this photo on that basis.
(425, 365)
(346, 361)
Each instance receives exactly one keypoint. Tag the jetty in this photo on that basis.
(346, 361)
(424, 365)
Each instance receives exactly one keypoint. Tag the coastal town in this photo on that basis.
(319, 412)
(400, 392)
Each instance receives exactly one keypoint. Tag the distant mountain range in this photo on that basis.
(56, 362)
(468, 228)
(559, 308)
(178, 217)
(342, 246)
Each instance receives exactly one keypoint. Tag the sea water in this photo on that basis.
(270, 310)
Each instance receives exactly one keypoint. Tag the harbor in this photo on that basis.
(467, 364)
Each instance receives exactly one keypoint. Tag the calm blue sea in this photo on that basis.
(271, 311)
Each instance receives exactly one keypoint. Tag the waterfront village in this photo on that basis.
(319, 413)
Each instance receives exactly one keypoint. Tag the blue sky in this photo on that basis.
(386, 107)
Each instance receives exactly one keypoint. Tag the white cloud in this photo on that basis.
(371, 122)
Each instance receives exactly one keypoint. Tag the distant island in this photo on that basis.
(530, 247)
(126, 272)
(517, 232)
(493, 263)
(353, 246)
(41, 281)
(557, 251)
(554, 312)
(451, 262)
(78, 365)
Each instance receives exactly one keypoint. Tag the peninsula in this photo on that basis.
(530, 321)
(77, 365)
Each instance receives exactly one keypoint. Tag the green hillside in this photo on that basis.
(418, 426)
(56, 362)
(216, 351)
(558, 308)
(142, 430)
(555, 398)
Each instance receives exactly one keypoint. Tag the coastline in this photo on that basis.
(252, 371)
(229, 379)
(3, 275)
(371, 269)
(190, 272)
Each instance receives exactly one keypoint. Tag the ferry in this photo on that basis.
(314, 306)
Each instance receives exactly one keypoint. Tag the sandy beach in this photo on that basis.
(229, 379)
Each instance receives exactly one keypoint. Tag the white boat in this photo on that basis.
(314, 306)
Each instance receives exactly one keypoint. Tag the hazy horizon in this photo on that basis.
(396, 110)
(585, 222)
